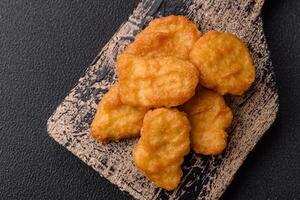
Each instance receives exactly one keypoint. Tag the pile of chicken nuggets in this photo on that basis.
(172, 79)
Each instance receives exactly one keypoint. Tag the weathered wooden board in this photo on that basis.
(204, 177)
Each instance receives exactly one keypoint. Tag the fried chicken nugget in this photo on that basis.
(155, 82)
(209, 117)
(114, 120)
(163, 144)
(224, 63)
(166, 36)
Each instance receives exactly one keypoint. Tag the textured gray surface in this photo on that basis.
(204, 177)
(46, 45)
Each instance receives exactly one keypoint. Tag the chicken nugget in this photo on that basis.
(114, 120)
(166, 36)
(154, 81)
(163, 144)
(209, 117)
(224, 63)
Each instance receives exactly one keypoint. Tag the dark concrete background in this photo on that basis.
(45, 46)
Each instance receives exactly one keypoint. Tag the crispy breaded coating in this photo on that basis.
(166, 36)
(209, 116)
(163, 144)
(114, 120)
(155, 81)
(224, 63)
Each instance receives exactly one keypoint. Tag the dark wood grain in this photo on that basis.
(204, 177)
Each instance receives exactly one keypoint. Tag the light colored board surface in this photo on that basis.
(204, 177)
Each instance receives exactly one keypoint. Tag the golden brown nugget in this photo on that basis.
(209, 117)
(166, 36)
(163, 144)
(224, 63)
(114, 120)
(155, 82)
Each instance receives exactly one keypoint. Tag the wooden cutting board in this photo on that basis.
(204, 177)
